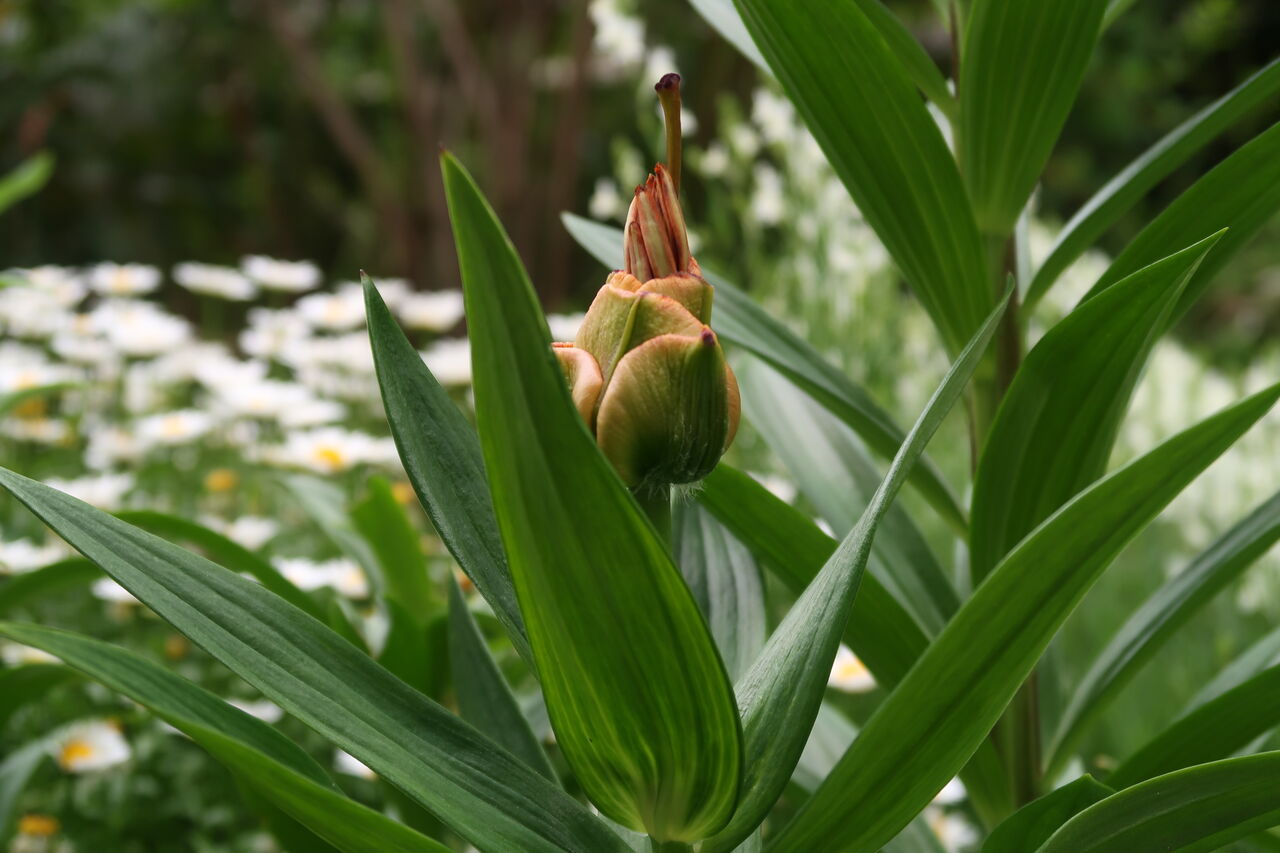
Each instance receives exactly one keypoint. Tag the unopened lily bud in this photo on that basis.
(646, 370)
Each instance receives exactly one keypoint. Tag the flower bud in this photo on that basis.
(646, 371)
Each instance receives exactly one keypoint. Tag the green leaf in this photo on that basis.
(1151, 625)
(1216, 729)
(382, 523)
(16, 771)
(1201, 808)
(725, 581)
(1262, 654)
(33, 586)
(1054, 431)
(836, 476)
(225, 552)
(22, 685)
(1031, 825)
(486, 795)
(484, 699)
(1241, 193)
(1023, 64)
(722, 16)
(326, 505)
(260, 756)
(740, 321)
(442, 459)
(27, 179)
(839, 72)
(638, 695)
(11, 401)
(1119, 194)
(781, 693)
(933, 721)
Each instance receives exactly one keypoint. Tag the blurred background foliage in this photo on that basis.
(308, 128)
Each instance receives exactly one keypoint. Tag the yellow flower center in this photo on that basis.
(173, 427)
(31, 409)
(120, 281)
(852, 668)
(221, 480)
(75, 751)
(330, 456)
(41, 825)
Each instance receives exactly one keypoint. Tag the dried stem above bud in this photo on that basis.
(668, 89)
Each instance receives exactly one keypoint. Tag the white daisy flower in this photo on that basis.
(347, 763)
(340, 574)
(329, 450)
(335, 312)
(89, 746)
(16, 654)
(23, 555)
(212, 280)
(287, 276)
(606, 201)
(850, 674)
(28, 313)
(110, 279)
(265, 710)
(140, 329)
(63, 284)
(272, 332)
(434, 311)
(106, 589)
(39, 430)
(101, 490)
(109, 445)
(171, 428)
(251, 531)
(35, 374)
(449, 361)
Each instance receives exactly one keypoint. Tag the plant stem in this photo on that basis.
(669, 846)
(656, 503)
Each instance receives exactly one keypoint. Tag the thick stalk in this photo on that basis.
(1018, 733)
(669, 846)
(656, 503)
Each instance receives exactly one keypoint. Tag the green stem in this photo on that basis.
(656, 503)
(669, 846)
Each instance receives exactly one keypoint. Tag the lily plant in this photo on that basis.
(681, 725)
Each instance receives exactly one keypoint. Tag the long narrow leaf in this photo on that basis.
(384, 525)
(441, 456)
(22, 685)
(1132, 182)
(637, 693)
(839, 72)
(484, 699)
(1033, 824)
(16, 770)
(1240, 194)
(1201, 808)
(32, 586)
(1053, 433)
(1023, 64)
(486, 795)
(740, 321)
(926, 730)
(781, 693)
(259, 755)
(1158, 618)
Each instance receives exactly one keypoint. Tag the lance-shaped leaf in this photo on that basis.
(781, 694)
(1263, 653)
(1053, 433)
(1240, 194)
(16, 770)
(834, 473)
(839, 72)
(485, 794)
(1132, 182)
(1151, 625)
(1217, 729)
(441, 457)
(637, 693)
(260, 756)
(398, 548)
(1023, 64)
(32, 586)
(725, 581)
(1201, 808)
(1030, 826)
(926, 730)
(25, 180)
(21, 685)
(743, 323)
(484, 698)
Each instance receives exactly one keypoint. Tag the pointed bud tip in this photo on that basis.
(668, 81)
(708, 337)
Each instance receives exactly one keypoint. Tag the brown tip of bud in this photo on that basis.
(708, 337)
(668, 81)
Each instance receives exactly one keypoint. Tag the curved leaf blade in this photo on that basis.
(1053, 433)
(838, 71)
(32, 586)
(740, 321)
(1132, 182)
(484, 698)
(259, 755)
(1240, 194)
(442, 459)
(21, 685)
(781, 694)
(1201, 808)
(637, 693)
(27, 179)
(926, 730)
(1033, 824)
(1166, 610)
(486, 795)
(1023, 64)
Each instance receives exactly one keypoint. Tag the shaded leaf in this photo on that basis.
(1030, 826)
